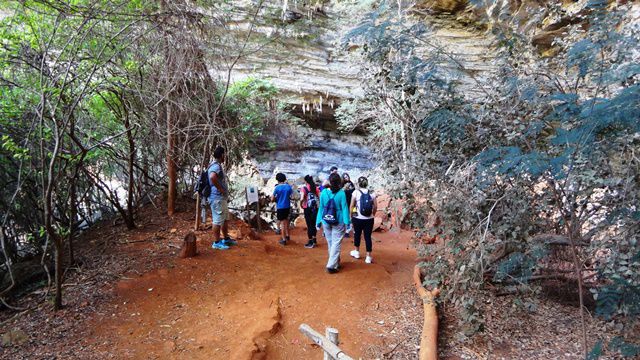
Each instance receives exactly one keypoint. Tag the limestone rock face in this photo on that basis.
(314, 70)
(304, 150)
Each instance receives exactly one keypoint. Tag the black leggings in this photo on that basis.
(360, 226)
(310, 218)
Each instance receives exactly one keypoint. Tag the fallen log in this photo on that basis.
(429, 337)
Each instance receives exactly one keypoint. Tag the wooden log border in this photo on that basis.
(331, 350)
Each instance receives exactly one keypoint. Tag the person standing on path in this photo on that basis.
(309, 204)
(282, 197)
(366, 206)
(348, 188)
(332, 170)
(219, 201)
(335, 219)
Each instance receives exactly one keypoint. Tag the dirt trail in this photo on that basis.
(247, 302)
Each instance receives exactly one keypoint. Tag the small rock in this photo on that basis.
(14, 337)
(169, 346)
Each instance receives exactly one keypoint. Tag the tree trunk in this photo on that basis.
(73, 213)
(129, 220)
(171, 163)
(73, 185)
(189, 248)
(197, 225)
(57, 303)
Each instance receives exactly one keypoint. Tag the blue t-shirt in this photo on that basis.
(282, 193)
(217, 168)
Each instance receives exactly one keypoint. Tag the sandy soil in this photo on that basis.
(247, 302)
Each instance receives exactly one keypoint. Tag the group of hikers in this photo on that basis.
(336, 207)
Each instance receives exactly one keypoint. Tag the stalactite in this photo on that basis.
(285, 7)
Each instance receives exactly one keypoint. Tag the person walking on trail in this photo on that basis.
(364, 200)
(309, 204)
(348, 188)
(218, 199)
(334, 217)
(282, 197)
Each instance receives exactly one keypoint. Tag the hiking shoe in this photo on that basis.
(332, 271)
(310, 245)
(278, 231)
(282, 242)
(228, 241)
(355, 254)
(347, 235)
(219, 246)
(368, 260)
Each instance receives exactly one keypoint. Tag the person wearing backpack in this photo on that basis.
(309, 204)
(218, 198)
(282, 197)
(334, 217)
(366, 206)
(348, 188)
(203, 189)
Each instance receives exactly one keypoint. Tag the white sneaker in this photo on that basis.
(368, 260)
(355, 254)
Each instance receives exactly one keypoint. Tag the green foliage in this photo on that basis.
(18, 153)
(251, 101)
(89, 91)
(548, 147)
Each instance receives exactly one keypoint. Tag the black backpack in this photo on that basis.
(366, 204)
(204, 186)
(330, 213)
(312, 199)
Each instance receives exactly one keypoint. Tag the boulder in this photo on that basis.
(377, 224)
(384, 201)
(300, 222)
(246, 232)
(291, 16)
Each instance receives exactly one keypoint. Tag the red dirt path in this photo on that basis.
(247, 302)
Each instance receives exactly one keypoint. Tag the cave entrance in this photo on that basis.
(318, 113)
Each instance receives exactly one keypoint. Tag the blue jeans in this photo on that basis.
(334, 235)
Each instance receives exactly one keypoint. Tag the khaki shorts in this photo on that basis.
(219, 211)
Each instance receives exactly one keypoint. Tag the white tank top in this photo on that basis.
(356, 195)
